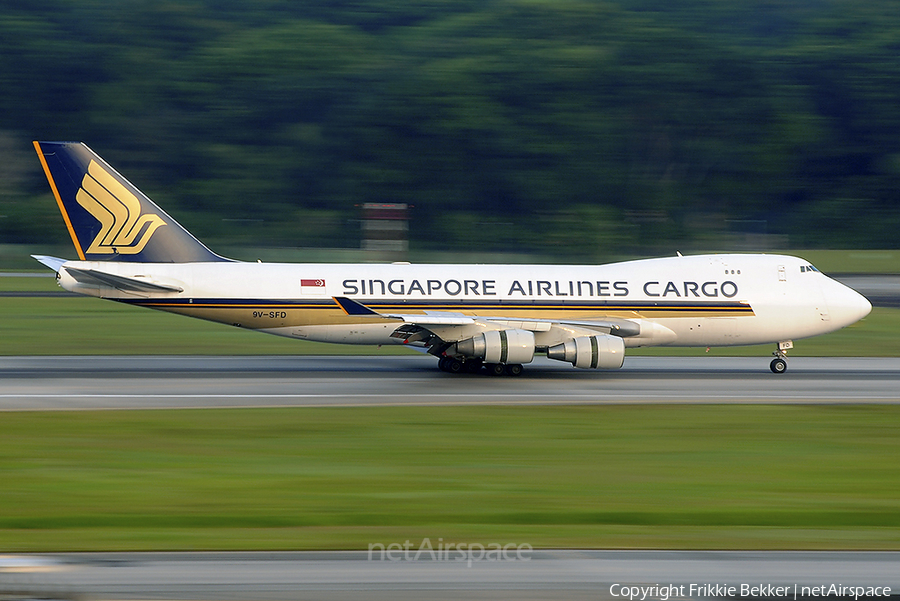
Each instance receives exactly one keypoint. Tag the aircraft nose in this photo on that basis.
(846, 304)
(865, 307)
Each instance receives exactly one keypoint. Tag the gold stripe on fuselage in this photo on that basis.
(276, 314)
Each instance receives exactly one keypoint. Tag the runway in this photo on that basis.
(84, 383)
(538, 575)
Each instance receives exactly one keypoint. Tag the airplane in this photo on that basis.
(473, 318)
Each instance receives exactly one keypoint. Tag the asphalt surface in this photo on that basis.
(60, 383)
(538, 575)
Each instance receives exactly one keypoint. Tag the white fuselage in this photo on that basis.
(707, 300)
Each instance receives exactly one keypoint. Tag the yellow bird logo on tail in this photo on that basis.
(124, 230)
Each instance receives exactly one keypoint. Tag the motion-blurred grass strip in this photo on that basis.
(810, 477)
(88, 326)
(19, 283)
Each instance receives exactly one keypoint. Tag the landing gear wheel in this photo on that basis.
(514, 369)
(454, 366)
(496, 369)
(779, 363)
(442, 363)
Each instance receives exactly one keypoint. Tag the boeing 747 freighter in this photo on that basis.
(471, 317)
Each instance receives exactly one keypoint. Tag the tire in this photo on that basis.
(514, 369)
(496, 369)
(778, 365)
(454, 366)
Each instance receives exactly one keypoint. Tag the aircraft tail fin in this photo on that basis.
(108, 218)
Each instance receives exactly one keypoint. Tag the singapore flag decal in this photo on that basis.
(312, 286)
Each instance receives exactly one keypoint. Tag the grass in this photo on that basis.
(744, 477)
(29, 284)
(88, 326)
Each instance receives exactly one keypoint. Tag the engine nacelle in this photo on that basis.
(500, 346)
(591, 352)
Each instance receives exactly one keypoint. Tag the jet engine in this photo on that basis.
(500, 346)
(591, 352)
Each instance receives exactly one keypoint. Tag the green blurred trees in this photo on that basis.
(573, 127)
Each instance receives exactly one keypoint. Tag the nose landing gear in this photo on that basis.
(779, 363)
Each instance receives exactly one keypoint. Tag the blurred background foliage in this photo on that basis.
(571, 128)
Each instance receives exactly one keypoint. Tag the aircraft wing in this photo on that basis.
(433, 318)
(92, 277)
(617, 327)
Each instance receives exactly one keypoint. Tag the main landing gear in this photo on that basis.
(779, 363)
(453, 365)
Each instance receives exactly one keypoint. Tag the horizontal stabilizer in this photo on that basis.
(53, 263)
(92, 277)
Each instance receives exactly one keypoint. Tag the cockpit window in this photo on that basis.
(805, 268)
